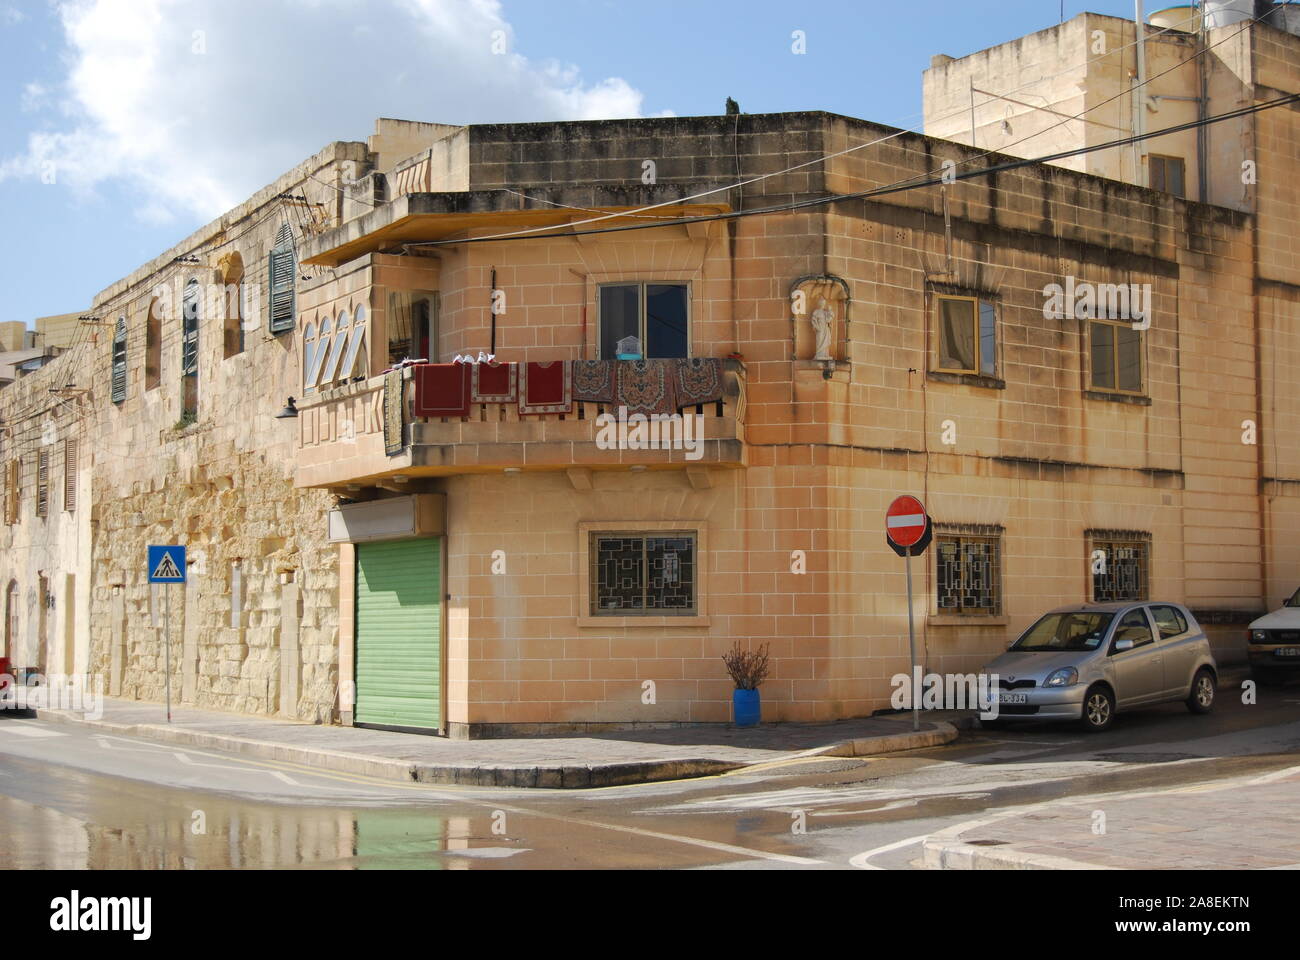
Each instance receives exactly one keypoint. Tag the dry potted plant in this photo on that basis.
(748, 668)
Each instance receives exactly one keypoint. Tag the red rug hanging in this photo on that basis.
(545, 388)
(441, 390)
(493, 382)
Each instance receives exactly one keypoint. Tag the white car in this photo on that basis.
(1275, 640)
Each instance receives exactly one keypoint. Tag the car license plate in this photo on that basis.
(1287, 652)
(1013, 698)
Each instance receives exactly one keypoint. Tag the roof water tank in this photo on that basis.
(1224, 13)
(1285, 16)
(1186, 19)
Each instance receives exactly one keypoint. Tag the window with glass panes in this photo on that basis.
(642, 574)
(1116, 351)
(968, 569)
(649, 320)
(967, 336)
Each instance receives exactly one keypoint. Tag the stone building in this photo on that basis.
(477, 549)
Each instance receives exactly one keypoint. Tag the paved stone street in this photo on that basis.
(1247, 823)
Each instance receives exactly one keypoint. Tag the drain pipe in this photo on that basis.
(1140, 93)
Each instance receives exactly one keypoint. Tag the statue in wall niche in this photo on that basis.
(819, 308)
(823, 321)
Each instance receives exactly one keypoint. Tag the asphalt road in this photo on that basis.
(73, 798)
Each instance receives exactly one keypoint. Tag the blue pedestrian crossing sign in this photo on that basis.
(166, 564)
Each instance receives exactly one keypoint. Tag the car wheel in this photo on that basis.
(1098, 709)
(1201, 699)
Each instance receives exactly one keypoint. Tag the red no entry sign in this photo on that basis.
(905, 521)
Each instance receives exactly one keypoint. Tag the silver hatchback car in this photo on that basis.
(1088, 661)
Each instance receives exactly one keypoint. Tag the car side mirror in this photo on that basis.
(1122, 645)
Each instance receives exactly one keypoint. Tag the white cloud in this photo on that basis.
(11, 16)
(198, 103)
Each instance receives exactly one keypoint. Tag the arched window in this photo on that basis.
(232, 277)
(336, 349)
(153, 344)
(308, 355)
(318, 356)
(119, 360)
(356, 356)
(192, 310)
(283, 281)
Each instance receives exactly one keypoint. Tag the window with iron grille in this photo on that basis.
(1118, 561)
(43, 483)
(968, 561)
(638, 574)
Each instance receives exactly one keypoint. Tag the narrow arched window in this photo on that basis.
(192, 309)
(283, 277)
(318, 357)
(119, 360)
(355, 351)
(341, 327)
(308, 355)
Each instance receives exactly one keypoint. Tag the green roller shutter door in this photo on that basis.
(399, 634)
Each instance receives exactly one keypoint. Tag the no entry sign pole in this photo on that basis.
(911, 647)
(907, 529)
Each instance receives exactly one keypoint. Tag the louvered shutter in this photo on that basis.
(70, 475)
(283, 271)
(119, 361)
(42, 483)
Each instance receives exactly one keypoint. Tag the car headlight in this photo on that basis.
(1064, 677)
(1258, 636)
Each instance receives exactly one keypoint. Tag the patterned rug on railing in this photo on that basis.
(699, 380)
(649, 387)
(646, 386)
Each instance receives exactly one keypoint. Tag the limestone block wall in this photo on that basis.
(255, 629)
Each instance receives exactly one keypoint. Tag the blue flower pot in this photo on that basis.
(745, 705)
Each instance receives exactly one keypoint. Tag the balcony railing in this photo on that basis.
(342, 435)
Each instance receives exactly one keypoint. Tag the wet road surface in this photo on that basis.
(74, 798)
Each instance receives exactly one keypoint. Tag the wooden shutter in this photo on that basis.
(11, 491)
(70, 475)
(43, 483)
(283, 276)
(119, 360)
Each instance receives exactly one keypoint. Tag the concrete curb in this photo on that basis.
(953, 854)
(571, 776)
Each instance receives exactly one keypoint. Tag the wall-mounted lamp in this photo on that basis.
(290, 411)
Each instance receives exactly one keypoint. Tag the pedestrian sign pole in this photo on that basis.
(166, 565)
(908, 531)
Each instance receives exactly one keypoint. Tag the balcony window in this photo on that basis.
(412, 326)
(653, 317)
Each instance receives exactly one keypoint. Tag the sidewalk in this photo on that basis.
(600, 760)
(1246, 823)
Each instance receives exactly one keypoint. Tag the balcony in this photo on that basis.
(342, 440)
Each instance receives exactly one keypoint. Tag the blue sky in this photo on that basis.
(155, 115)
